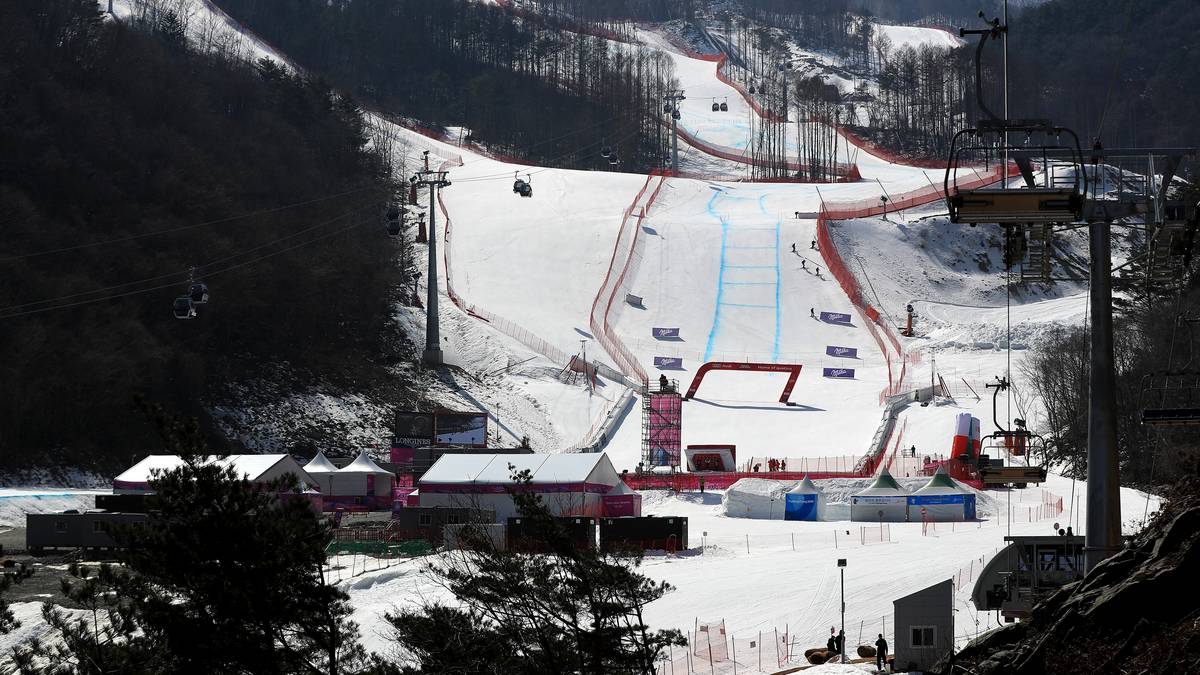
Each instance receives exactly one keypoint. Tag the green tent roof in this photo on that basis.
(885, 480)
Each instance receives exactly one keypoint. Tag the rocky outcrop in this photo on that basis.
(1135, 613)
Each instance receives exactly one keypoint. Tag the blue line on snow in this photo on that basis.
(749, 283)
(712, 333)
(778, 281)
(743, 304)
(748, 267)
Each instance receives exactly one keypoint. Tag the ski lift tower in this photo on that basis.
(671, 107)
(434, 180)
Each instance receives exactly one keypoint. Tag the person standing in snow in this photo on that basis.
(793, 247)
(802, 264)
(841, 645)
(880, 653)
(702, 485)
(831, 645)
(662, 383)
(813, 245)
(812, 313)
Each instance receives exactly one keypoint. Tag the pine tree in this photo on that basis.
(566, 610)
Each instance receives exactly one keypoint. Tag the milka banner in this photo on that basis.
(663, 333)
(668, 363)
(839, 373)
(844, 352)
(835, 317)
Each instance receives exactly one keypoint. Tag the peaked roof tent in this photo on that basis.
(320, 464)
(248, 467)
(804, 487)
(544, 469)
(942, 483)
(363, 464)
(884, 485)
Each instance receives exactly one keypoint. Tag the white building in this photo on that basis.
(569, 484)
(260, 469)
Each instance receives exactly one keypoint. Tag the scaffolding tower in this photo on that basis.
(662, 425)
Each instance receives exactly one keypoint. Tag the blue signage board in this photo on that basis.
(668, 363)
(835, 317)
(839, 373)
(661, 333)
(844, 352)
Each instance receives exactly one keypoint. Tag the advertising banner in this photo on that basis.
(844, 352)
(668, 363)
(835, 317)
(839, 373)
(665, 333)
(461, 428)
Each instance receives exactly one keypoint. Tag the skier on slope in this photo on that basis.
(802, 264)
(793, 247)
(812, 313)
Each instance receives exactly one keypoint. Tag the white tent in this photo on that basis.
(884, 500)
(804, 502)
(362, 478)
(755, 498)
(942, 499)
(321, 470)
(569, 484)
(253, 468)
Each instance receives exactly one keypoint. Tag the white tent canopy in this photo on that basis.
(361, 478)
(570, 484)
(884, 501)
(253, 468)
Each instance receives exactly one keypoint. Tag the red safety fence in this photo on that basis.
(720, 480)
(616, 278)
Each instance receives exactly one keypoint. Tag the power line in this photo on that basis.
(7, 313)
(117, 240)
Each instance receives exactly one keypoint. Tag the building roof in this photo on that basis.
(804, 487)
(884, 485)
(545, 469)
(942, 484)
(621, 489)
(364, 464)
(248, 467)
(320, 464)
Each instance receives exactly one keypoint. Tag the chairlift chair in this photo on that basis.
(1171, 398)
(615, 159)
(183, 308)
(198, 293)
(1059, 197)
(523, 187)
(724, 106)
(716, 107)
(675, 115)
(606, 152)
(393, 227)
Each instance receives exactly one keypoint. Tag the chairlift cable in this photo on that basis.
(219, 221)
(6, 313)
(1116, 72)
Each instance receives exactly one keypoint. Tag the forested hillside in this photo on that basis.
(522, 87)
(129, 159)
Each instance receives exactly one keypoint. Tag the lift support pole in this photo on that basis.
(1103, 471)
(434, 180)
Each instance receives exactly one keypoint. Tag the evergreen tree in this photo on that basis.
(564, 610)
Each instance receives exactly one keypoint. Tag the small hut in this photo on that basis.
(803, 502)
(942, 499)
(883, 501)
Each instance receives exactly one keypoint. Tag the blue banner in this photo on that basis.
(660, 333)
(835, 317)
(839, 373)
(668, 363)
(844, 352)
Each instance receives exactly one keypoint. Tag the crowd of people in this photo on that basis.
(773, 465)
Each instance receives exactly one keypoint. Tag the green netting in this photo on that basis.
(380, 549)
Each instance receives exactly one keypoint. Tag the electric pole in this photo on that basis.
(671, 105)
(434, 180)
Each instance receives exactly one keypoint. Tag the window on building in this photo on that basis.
(60, 526)
(452, 519)
(924, 636)
(425, 519)
(98, 526)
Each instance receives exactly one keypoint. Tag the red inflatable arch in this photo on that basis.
(793, 368)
